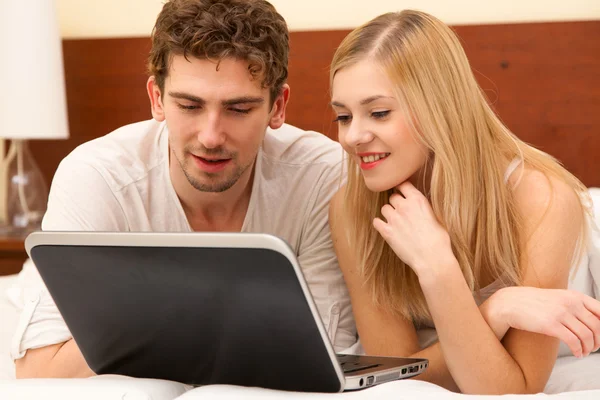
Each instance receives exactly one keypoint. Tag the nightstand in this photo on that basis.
(12, 254)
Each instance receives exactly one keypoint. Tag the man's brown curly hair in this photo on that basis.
(249, 30)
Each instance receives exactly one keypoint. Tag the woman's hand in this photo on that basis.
(567, 315)
(413, 232)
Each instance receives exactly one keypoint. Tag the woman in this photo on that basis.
(443, 207)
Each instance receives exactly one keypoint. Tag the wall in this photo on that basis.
(537, 75)
(123, 18)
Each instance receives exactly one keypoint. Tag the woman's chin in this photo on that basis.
(379, 186)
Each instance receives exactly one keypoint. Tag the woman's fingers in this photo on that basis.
(583, 333)
(387, 212)
(395, 199)
(592, 305)
(593, 324)
(407, 189)
(569, 338)
(381, 227)
(564, 334)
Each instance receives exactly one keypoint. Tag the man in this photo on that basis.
(217, 156)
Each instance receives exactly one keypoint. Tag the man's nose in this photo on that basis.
(210, 132)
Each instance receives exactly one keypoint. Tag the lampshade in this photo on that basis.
(32, 101)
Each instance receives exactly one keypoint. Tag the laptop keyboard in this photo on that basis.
(351, 363)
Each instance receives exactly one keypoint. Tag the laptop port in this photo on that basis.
(413, 369)
(403, 371)
(370, 380)
(361, 382)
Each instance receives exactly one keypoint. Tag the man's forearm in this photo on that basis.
(57, 361)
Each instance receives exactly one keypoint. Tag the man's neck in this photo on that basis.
(215, 212)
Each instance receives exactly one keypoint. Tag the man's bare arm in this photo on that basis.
(63, 360)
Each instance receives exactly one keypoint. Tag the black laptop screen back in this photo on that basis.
(193, 315)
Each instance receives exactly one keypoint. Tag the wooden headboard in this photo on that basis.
(542, 78)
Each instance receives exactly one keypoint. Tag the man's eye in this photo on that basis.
(342, 119)
(187, 107)
(241, 110)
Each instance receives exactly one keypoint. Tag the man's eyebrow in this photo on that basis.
(243, 100)
(187, 96)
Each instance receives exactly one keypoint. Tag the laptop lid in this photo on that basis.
(198, 308)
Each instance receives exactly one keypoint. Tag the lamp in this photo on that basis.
(32, 106)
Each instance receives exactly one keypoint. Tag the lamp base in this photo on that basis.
(24, 192)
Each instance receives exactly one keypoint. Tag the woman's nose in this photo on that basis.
(357, 134)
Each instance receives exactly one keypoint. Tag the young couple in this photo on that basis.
(446, 219)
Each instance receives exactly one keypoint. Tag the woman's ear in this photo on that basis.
(279, 107)
(156, 103)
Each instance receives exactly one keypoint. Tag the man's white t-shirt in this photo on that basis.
(121, 182)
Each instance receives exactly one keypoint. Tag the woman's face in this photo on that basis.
(373, 129)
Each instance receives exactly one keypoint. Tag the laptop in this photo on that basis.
(199, 308)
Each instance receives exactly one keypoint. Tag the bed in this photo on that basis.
(571, 378)
(577, 379)
(538, 77)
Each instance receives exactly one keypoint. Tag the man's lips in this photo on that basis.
(211, 165)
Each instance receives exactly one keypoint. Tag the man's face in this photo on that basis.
(216, 119)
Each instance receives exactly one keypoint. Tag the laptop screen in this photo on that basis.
(194, 315)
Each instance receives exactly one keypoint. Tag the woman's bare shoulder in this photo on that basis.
(551, 222)
(539, 195)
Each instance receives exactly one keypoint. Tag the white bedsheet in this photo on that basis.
(109, 387)
(398, 390)
(106, 387)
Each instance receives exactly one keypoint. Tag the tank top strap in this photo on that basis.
(514, 164)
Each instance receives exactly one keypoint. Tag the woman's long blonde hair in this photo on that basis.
(469, 146)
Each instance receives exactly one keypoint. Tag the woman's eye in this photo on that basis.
(380, 114)
(342, 119)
